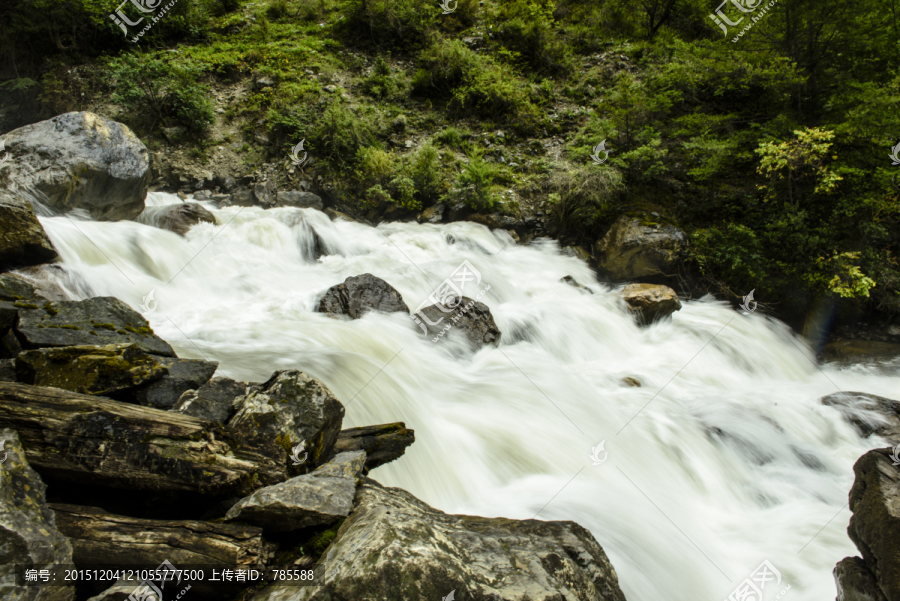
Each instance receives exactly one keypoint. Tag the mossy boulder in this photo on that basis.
(23, 240)
(13, 289)
(651, 302)
(100, 370)
(95, 322)
(632, 249)
(183, 375)
(28, 534)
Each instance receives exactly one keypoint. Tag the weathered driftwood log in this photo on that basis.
(382, 443)
(101, 538)
(97, 441)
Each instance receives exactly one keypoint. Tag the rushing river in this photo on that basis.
(721, 459)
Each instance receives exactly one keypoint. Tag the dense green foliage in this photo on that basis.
(769, 148)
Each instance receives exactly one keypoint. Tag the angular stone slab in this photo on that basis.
(382, 443)
(183, 375)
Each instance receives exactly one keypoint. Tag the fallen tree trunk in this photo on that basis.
(382, 443)
(97, 441)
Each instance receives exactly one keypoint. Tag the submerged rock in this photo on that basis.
(183, 375)
(95, 321)
(23, 240)
(650, 302)
(80, 160)
(178, 218)
(868, 413)
(290, 408)
(469, 316)
(632, 250)
(574, 283)
(359, 295)
(215, 399)
(394, 546)
(314, 499)
(28, 534)
(101, 370)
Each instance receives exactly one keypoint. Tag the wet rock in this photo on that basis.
(868, 413)
(80, 161)
(215, 399)
(494, 220)
(650, 302)
(433, 214)
(242, 197)
(382, 443)
(8, 370)
(23, 240)
(96, 321)
(264, 194)
(302, 200)
(632, 250)
(572, 282)
(458, 212)
(28, 534)
(855, 582)
(184, 375)
(360, 294)
(314, 499)
(577, 252)
(290, 408)
(178, 218)
(394, 546)
(13, 288)
(335, 215)
(101, 370)
(463, 314)
(633, 382)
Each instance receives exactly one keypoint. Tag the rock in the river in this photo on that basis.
(314, 499)
(14, 288)
(23, 240)
(215, 399)
(360, 294)
(382, 443)
(295, 198)
(855, 582)
(574, 283)
(394, 546)
(184, 375)
(264, 193)
(178, 218)
(632, 250)
(651, 302)
(80, 161)
(102, 370)
(290, 408)
(95, 321)
(868, 413)
(28, 534)
(473, 318)
(433, 214)
(875, 524)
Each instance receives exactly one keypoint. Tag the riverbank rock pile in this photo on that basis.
(121, 452)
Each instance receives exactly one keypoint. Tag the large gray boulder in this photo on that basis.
(95, 321)
(28, 534)
(291, 408)
(855, 582)
(80, 161)
(183, 375)
(631, 249)
(215, 399)
(102, 370)
(651, 302)
(23, 240)
(178, 218)
(394, 546)
(471, 317)
(295, 198)
(360, 294)
(321, 497)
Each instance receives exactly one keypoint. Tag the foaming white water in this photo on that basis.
(722, 458)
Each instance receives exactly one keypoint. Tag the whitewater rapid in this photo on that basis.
(721, 459)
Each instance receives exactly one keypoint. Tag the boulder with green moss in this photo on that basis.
(382, 443)
(632, 249)
(314, 499)
(183, 375)
(103, 370)
(14, 288)
(291, 408)
(23, 240)
(650, 302)
(28, 533)
(394, 546)
(96, 321)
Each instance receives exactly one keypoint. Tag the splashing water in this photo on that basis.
(721, 459)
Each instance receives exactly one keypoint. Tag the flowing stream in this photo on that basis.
(721, 459)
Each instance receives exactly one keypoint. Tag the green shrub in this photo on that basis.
(475, 182)
(425, 173)
(276, 9)
(340, 135)
(452, 137)
(402, 24)
(583, 197)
